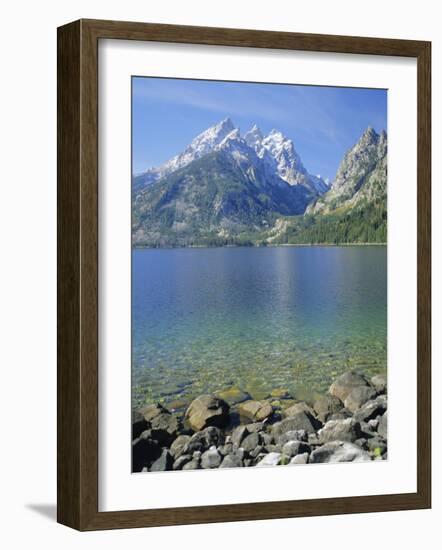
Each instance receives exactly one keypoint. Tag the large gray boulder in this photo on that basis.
(211, 459)
(193, 464)
(339, 451)
(251, 442)
(300, 459)
(302, 406)
(371, 409)
(383, 426)
(293, 448)
(233, 460)
(238, 434)
(179, 444)
(164, 427)
(255, 427)
(327, 405)
(149, 412)
(300, 421)
(292, 435)
(207, 410)
(379, 382)
(203, 440)
(163, 462)
(358, 397)
(272, 459)
(340, 430)
(345, 383)
(181, 461)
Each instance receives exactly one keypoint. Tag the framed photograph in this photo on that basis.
(243, 274)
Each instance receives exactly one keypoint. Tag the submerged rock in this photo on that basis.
(280, 393)
(233, 395)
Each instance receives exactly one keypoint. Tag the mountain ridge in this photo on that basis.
(225, 188)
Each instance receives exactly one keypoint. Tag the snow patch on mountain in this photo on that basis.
(203, 144)
(273, 155)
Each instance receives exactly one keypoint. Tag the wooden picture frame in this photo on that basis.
(78, 273)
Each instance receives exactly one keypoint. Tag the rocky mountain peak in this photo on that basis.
(254, 137)
(212, 137)
(235, 134)
(363, 165)
(273, 155)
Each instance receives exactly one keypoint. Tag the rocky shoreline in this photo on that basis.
(230, 429)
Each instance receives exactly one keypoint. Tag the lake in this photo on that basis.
(258, 318)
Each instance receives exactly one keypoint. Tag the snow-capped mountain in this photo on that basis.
(279, 152)
(219, 187)
(225, 188)
(275, 156)
(200, 146)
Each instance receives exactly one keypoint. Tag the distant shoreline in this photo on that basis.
(286, 245)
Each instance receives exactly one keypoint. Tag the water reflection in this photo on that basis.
(256, 317)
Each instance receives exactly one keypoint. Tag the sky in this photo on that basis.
(323, 122)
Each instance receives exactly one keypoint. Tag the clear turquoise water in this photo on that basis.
(256, 318)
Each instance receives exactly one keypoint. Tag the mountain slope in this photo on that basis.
(279, 156)
(218, 199)
(355, 208)
(275, 152)
(228, 189)
(362, 175)
(203, 144)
